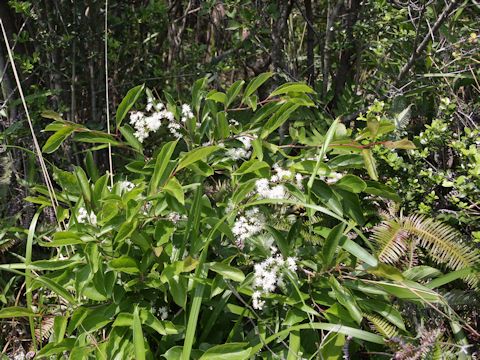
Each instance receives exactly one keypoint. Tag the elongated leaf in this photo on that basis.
(138, 340)
(230, 351)
(55, 140)
(278, 119)
(127, 133)
(255, 83)
(15, 311)
(233, 91)
(128, 101)
(161, 163)
(84, 184)
(370, 163)
(331, 244)
(196, 155)
(228, 272)
(326, 143)
(124, 264)
(292, 88)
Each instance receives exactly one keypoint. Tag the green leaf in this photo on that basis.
(126, 229)
(345, 297)
(127, 133)
(95, 137)
(233, 91)
(292, 88)
(161, 163)
(63, 238)
(326, 143)
(382, 190)
(49, 114)
(346, 161)
(174, 188)
(370, 164)
(138, 340)
(54, 349)
(55, 140)
(251, 166)
(15, 311)
(409, 290)
(55, 287)
(227, 271)
(255, 83)
(230, 351)
(217, 96)
(386, 271)
(84, 184)
(124, 264)
(351, 183)
(278, 118)
(196, 155)
(331, 244)
(359, 252)
(128, 101)
(384, 309)
(445, 279)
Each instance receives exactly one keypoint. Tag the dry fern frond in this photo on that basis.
(442, 243)
(6, 244)
(45, 329)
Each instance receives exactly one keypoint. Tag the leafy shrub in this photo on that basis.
(245, 234)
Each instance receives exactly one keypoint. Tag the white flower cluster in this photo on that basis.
(126, 186)
(163, 312)
(268, 275)
(271, 189)
(176, 217)
(83, 216)
(247, 225)
(145, 124)
(332, 177)
(241, 152)
(186, 113)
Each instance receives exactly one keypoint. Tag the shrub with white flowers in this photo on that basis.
(230, 238)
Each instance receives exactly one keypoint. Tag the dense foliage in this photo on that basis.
(326, 209)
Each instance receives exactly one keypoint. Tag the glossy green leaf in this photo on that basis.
(227, 271)
(127, 103)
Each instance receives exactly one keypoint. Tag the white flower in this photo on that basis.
(126, 186)
(93, 219)
(153, 122)
(256, 302)
(83, 216)
(237, 153)
(292, 263)
(262, 187)
(233, 122)
(163, 312)
(298, 180)
(247, 142)
(135, 117)
(268, 275)
(186, 112)
(141, 134)
(175, 217)
(247, 226)
(281, 173)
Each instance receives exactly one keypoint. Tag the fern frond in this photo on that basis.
(382, 326)
(442, 243)
(45, 330)
(391, 240)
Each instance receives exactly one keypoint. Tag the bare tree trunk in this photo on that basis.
(345, 67)
(278, 34)
(329, 35)
(310, 43)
